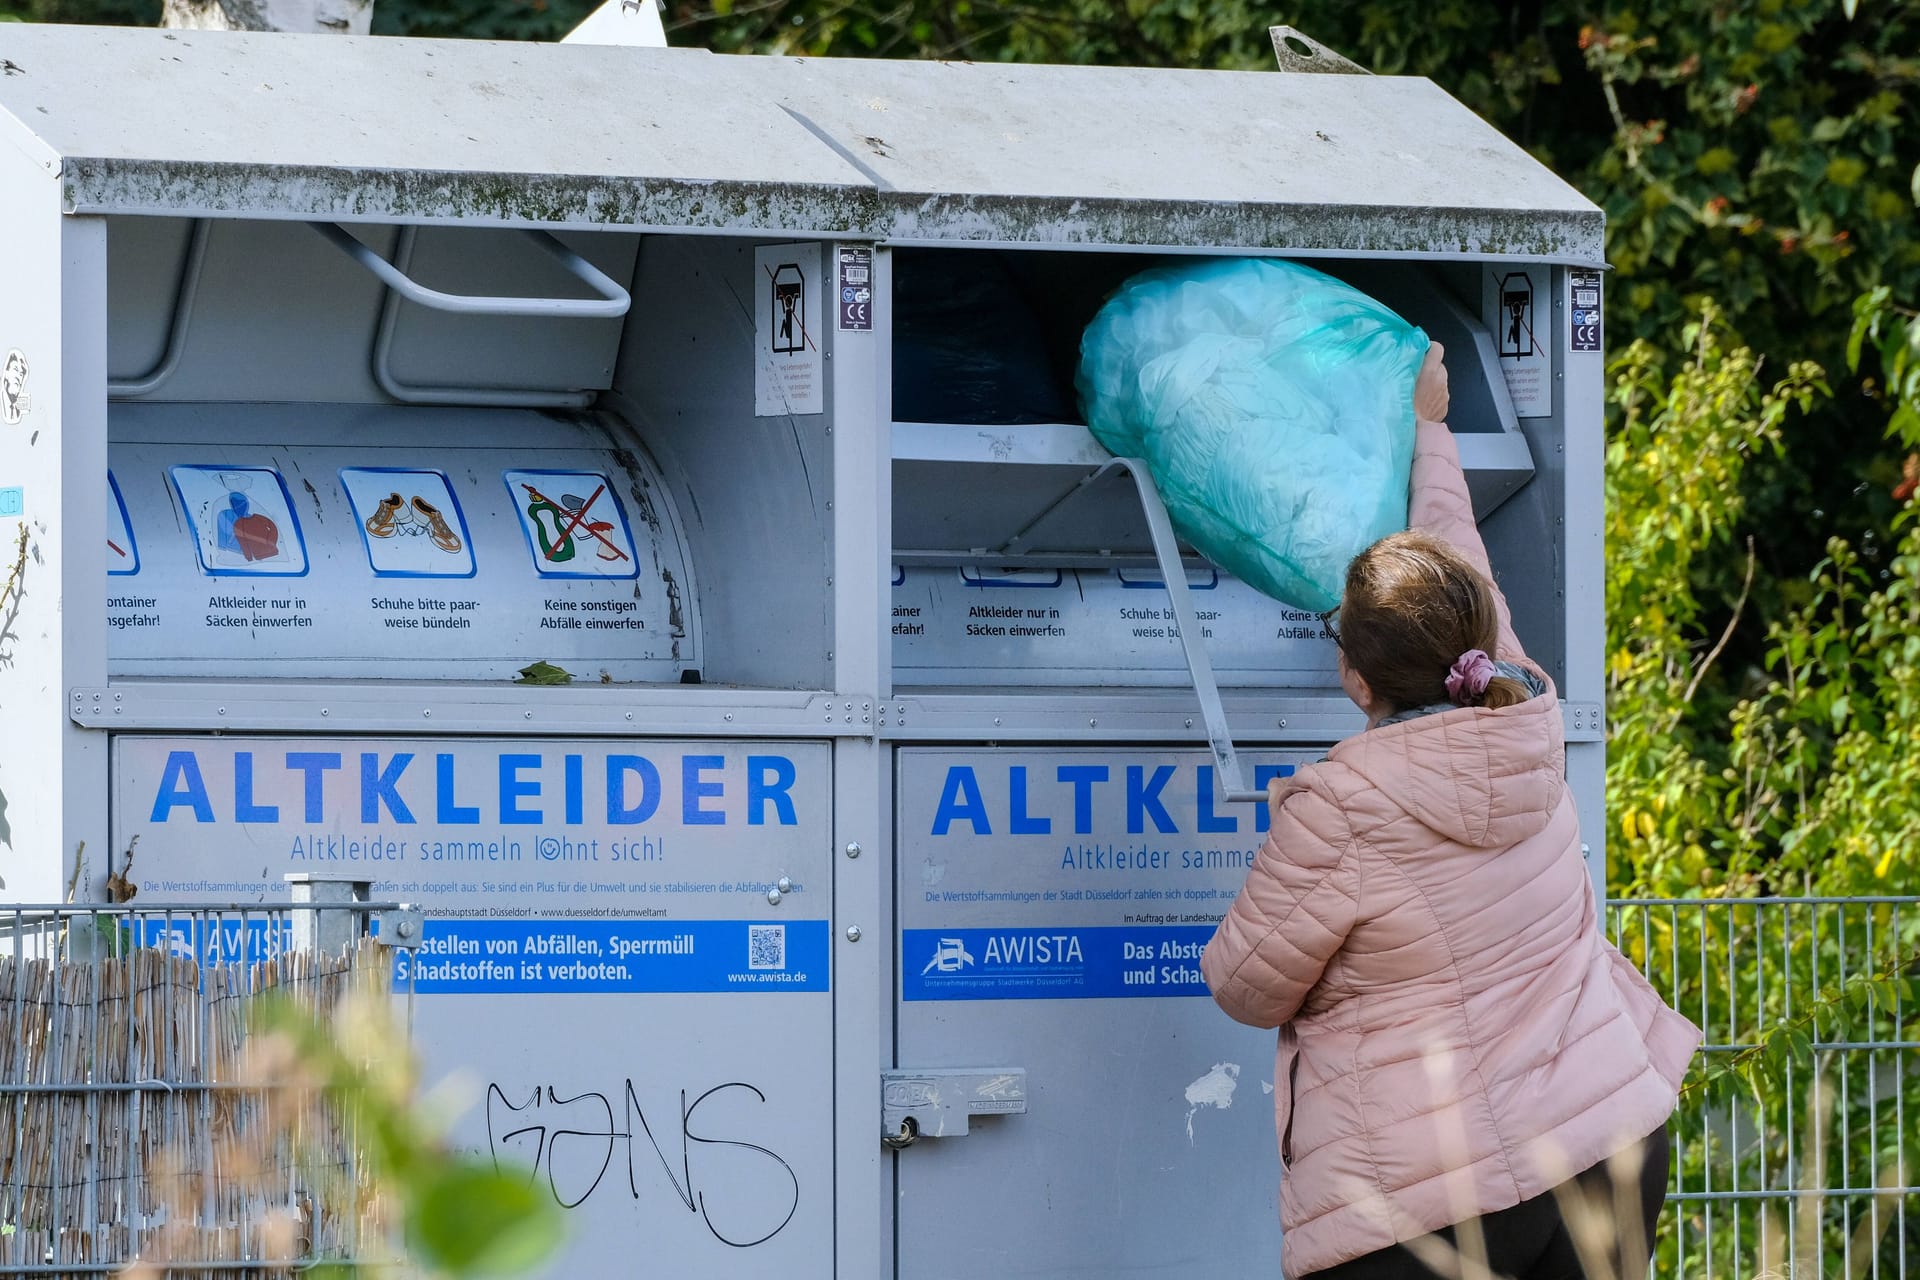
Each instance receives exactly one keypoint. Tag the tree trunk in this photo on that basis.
(334, 17)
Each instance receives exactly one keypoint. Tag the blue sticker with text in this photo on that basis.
(1065, 963)
(609, 957)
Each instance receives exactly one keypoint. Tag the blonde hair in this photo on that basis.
(1413, 605)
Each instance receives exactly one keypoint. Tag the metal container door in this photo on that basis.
(1077, 1104)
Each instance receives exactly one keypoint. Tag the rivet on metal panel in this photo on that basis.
(118, 696)
(729, 717)
(96, 697)
(325, 712)
(773, 897)
(1283, 723)
(829, 581)
(866, 706)
(222, 711)
(1091, 722)
(427, 712)
(829, 505)
(829, 717)
(848, 706)
(849, 719)
(118, 710)
(529, 715)
(853, 933)
(866, 719)
(853, 848)
(783, 884)
(96, 711)
(1189, 722)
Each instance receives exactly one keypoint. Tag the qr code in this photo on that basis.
(766, 946)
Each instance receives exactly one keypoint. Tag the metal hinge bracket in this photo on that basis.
(1298, 52)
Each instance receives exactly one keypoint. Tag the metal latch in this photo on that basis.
(938, 1103)
(400, 926)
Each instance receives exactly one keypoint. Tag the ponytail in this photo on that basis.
(1504, 691)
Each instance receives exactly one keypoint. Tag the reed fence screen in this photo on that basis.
(133, 1124)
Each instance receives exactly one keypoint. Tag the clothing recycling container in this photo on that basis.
(841, 916)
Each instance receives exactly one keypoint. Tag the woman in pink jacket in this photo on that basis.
(1457, 1040)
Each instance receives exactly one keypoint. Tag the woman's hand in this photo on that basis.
(1430, 388)
(1276, 792)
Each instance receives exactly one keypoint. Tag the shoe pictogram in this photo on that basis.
(380, 523)
(436, 525)
(414, 525)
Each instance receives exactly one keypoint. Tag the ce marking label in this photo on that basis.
(855, 272)
(1583, 309)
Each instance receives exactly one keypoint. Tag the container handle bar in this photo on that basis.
(1166, 551)
(612, 303)
(184, 292)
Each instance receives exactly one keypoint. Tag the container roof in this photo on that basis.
(384, 129)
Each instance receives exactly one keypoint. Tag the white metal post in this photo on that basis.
(53, 471)
(1582, 392)
(861, 407)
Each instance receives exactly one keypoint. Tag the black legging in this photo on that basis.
(1530, 1241)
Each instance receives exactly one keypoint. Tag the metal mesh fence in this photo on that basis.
(1804, 1162)
(131, 1121)
(127, 1117)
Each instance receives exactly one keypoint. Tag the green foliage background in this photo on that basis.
(1759, 163)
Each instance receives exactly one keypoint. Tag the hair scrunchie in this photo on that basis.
(1472, 672)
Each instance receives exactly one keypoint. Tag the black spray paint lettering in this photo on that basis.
(573, 1178)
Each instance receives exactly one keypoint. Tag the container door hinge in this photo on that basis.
(938, 1103)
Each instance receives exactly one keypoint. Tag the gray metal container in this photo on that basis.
(880, 807)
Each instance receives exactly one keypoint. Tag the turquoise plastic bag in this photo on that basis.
(1274, 408)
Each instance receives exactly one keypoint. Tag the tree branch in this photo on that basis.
(1727, 634)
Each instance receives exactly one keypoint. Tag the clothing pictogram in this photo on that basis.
(242, 519)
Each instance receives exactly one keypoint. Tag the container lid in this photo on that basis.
(381, 129)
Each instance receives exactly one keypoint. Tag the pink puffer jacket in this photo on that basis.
(1456, 1036)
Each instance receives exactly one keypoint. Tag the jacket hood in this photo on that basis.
(1478, 776)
